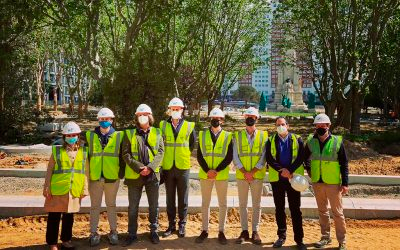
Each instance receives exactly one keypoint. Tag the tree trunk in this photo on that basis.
(210, 104)
(344, 114)
(79, 92)
(55, 99)
(39, 88)
(2, 95)
(357, 100)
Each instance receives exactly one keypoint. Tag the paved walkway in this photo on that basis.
(356, 208)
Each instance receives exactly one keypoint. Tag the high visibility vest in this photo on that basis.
(214, 155)
(104, 160)
(273, 174)
(178, 150)
(67, 177)
(153, 140)
(250, 156)
(325, 164)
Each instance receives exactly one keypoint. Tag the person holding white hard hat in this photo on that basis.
(249, 159)
(143, 151)
(214, 155)
(179, 138)
(285, 156)
(66, 183)
(327, 165)
(106, 164)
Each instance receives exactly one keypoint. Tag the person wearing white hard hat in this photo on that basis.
(214, 154)
(249, 159)
(285, 156)
(64, 188)
(143, 151)
(327, 165)
(106, 164)
(179, 138)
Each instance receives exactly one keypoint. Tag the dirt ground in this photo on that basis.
(29, 233)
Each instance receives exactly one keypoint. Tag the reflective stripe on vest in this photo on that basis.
(214, 155)
(273, 174)
(176, 151)
(250, 156)
(104, 160)
(153, 140)
(325, 164)
(65, 176)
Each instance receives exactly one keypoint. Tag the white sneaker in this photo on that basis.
(94, 239)
(113, 237)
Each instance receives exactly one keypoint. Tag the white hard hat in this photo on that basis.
(299, 183)
(71, 128)
(216, 112)
(322, 118)
(251, 111)
(105, 113)
(143, 108)
(175, 102)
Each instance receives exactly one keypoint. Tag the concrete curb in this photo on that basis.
(384, 180)
(354, 208)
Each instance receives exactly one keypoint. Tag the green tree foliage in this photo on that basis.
(245, 93)
(262, 105)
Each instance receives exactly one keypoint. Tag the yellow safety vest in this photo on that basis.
(273, 174)
(325, 164)
(214, 155)
(153, 139)
(67, 177)
(178, 150)
(250, 156)
(107, 160)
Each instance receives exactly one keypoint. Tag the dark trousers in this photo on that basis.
(279, 189)
(177, 180)
(134, 195)
(53, 224)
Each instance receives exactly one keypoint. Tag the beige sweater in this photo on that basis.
(63, 203)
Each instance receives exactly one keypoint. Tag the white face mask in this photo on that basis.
(143, 119)
(176, 114)
(281, 129)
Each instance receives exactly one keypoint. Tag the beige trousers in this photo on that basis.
(206, 190)
(255, 187)
(96, 190)
(325, 193)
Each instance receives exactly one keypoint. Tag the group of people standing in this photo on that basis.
(93, 162)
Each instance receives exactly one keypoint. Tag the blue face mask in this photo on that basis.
(71, 140)
(105, 124)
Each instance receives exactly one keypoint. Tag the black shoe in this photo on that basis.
(222, 239)
(67, 246)
(244, 235)
(168, 232)
(202, 237)
(255, 238)
(130, 240)
(301, 246)
(154, 237)
(279, 243)
(181, 232)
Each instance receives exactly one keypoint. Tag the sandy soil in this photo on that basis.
(29, 233)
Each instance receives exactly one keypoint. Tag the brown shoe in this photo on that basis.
(255, 238)
(244, 235)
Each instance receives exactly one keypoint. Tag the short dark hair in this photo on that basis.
(281, 117)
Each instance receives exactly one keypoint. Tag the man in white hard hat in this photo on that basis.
(284, 155)
(179, 138)
(249, 159)
(214, 155)
(106, 162)
(143, 151)
(327, 165)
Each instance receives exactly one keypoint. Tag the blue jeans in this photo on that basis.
(177, 180)
(134, 195)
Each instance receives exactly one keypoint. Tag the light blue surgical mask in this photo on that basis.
(105, 124)
(71, 140)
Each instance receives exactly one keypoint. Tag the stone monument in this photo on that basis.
(289, 84)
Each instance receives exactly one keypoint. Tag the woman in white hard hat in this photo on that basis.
(143, 151)
(106, 163)
(65, 185)
(214, 155)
